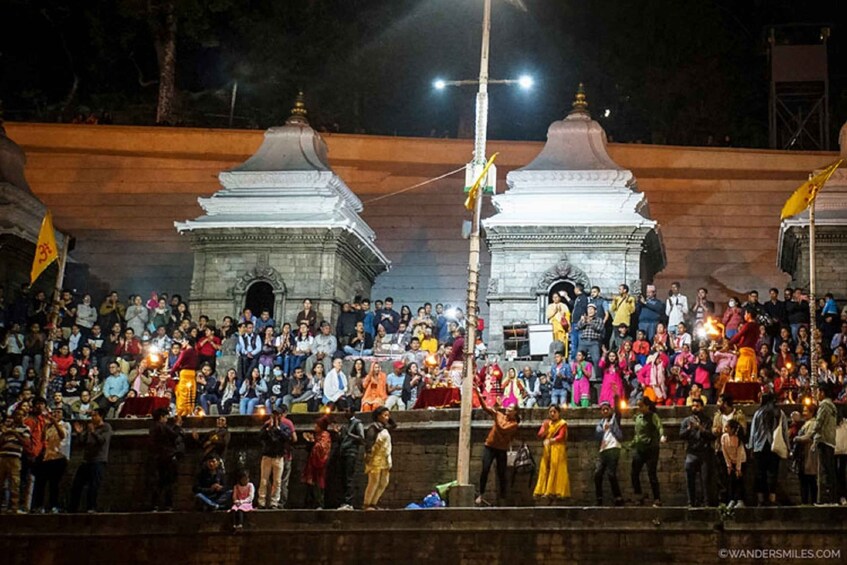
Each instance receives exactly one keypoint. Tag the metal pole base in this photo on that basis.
(461, 496)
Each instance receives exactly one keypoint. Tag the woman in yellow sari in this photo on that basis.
(553, 480)
(559, 315)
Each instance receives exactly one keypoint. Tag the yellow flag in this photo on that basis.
(808, 191)
(45, 250)
(470, 201)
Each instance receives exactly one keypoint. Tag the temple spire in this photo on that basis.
(580, 104)
(298, 112)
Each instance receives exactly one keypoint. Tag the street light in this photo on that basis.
(463, 493)
(439, 84)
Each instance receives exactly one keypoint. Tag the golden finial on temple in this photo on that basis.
(298, 112)
(580, 105)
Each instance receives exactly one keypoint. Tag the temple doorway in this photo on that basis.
(562, 288)
(260, 296)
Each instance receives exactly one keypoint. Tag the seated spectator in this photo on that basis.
(284, 344)
(428, 342)
(325, 346)
(115, 388)
(299, 389)
(207, 387)
(381, 342)
(376, 389)
(335, 384)
(394, 387)
(263, 322)
(228, 392)
(415, 354)
(62, 361)
(360, 343)
(252, 393)
(60, 404)
(355, 382)
(209, 490)
(83, 407)
(277, 389)
(345, 327)
(303, 346)
(696, 392)
(268, 353)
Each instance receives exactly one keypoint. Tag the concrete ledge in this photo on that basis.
(492, 535)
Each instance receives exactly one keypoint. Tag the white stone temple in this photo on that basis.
(283, 228)
(570, 216)
(830, 236)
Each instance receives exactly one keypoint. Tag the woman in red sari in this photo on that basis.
(315, 472)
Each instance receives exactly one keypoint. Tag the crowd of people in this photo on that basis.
(627, 350)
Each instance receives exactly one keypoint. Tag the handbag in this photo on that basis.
(841, 438)
(778, 444)
(511, 457)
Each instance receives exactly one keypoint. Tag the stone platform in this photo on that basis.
(425, 446)
(473, 536)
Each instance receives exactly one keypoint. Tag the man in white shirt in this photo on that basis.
(335, 383)
(676, 307)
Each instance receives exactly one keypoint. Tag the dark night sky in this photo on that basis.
(672, 71)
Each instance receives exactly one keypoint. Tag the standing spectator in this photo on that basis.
(275, 439)
(582, 372)
(378, 456)
(558, 314)
(209, 490)
(732, 318)
(699, 454)
(86, 315)
(824, 437)
(650, 312)
(94, 437)
(345, 327)
(612, 388)
(608, 433)
(214, 442)
(14, 439)
(649, 434)
(165, 449)
(591, 331)
(496, 445)
(57, 453)
(112, 311)
(623, 307)
(314, 474)
(352, 440)
(553, 480)
(734, 455)
(561, 376)
(805, 457)
(308, 316)
(776, 311)
(767, 420)
(136, 316)
(797, 311)
(702, 308)
(580, 305)
(676, 307)
(242, 499)
(264, 321)
(368, 317)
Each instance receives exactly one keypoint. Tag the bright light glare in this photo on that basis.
(439, 84)
(526, 82)
(607, 113)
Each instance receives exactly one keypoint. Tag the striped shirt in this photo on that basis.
(10, 444)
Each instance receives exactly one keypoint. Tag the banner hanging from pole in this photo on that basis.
(46, 250)
(807, 192)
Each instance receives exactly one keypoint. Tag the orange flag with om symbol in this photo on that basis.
(46, 250)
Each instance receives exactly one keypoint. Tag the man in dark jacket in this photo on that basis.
(275, 439)
(699, 455)
(352, 440)
(209, 491)
(166, 446)
(579, 308)
(345, 328)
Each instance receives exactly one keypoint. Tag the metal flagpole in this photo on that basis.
(53, 319)
(464, 453)
(814, 354)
